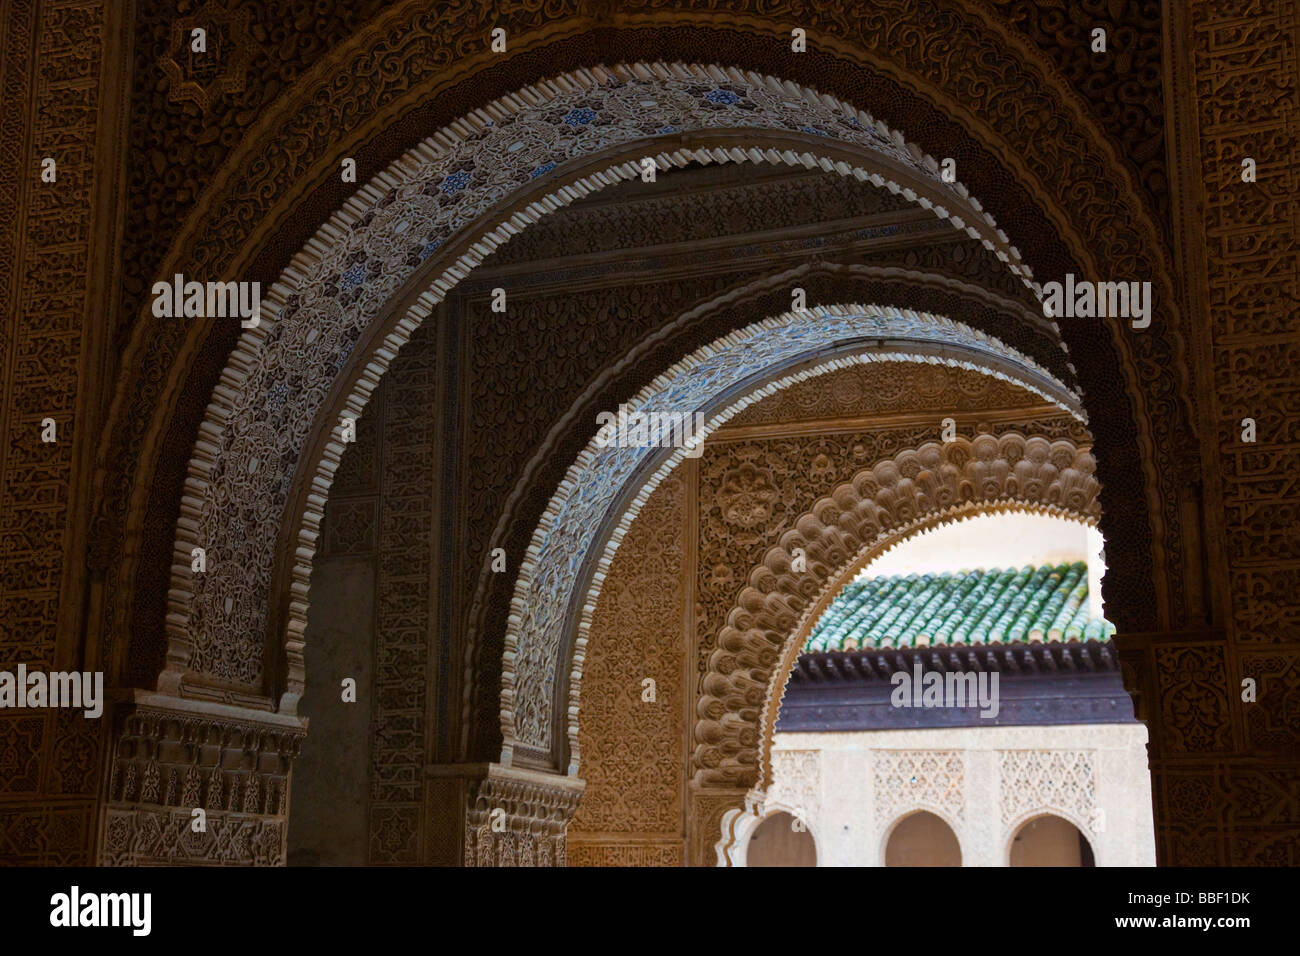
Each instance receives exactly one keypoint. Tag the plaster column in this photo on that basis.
(518, 817)
(983, 834)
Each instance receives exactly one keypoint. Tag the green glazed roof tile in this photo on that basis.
(966, 607)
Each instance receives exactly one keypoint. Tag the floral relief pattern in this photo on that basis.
(747, 496)
(906, 780)
(1064, 781)
(631, 746)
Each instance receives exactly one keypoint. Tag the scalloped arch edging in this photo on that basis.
(882, 505)
(921, 526)
(262, 414)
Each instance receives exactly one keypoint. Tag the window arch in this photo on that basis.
(921, 838)
(1049, 840)
(781, 840)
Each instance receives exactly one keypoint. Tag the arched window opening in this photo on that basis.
(1050, 841)
(922, 839)
(781, 840)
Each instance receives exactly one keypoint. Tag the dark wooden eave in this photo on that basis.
(1038, 684)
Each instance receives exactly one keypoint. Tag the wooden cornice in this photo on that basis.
(880, 664)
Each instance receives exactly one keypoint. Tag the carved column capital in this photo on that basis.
(519, 817)
(171, 757)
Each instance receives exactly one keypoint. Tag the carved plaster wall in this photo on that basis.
(985, 783)
(970, 24)
(555, 358)
(381, 509)
(181, 650)
(631, 811)
(250, 175)
(166, 765)
(589, 496)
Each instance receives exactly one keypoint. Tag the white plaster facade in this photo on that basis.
(852, 788)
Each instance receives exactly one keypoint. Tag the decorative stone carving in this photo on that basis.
(796, 784)
(963, 24)
(747, 496)
(255, 598)
(549, 579)
(639, 627)
(714, 812)
(936, 482)
(967, 21)
(351, 527)
(634, 853)
(907, 780)
(57, 104)
(571, 342)
(1243, 60)
(984, 782)
(642, 626)
(21, 741)
(404, 638)
(170, 758)
(536, 809)
(1063, 782)
(809, 466)
(1179, 681)
(1243, 57)
(882, 389)
(566, 338)
(1194, 699)
(1274, 724)
(1127, 102)
(755, 202)
(633, 749)
(359, 264)
(222, 68)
